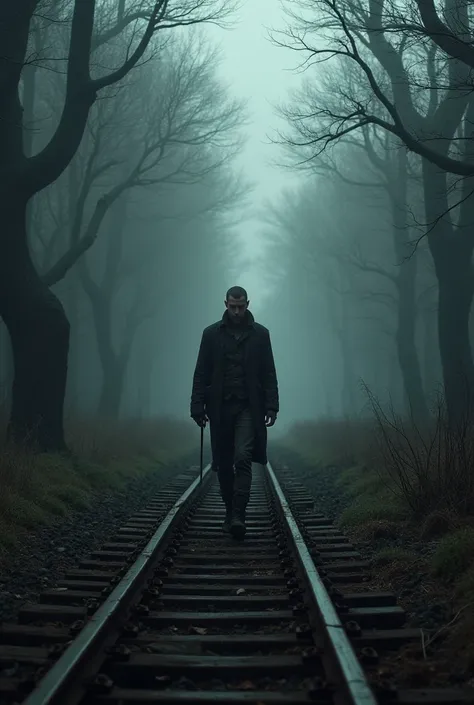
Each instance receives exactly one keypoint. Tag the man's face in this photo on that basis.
(237, 309)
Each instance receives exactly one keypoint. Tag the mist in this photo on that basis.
(220, 151)
(164, 166)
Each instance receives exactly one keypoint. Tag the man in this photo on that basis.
(235, 388)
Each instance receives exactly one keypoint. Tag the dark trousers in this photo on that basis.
(236, 440)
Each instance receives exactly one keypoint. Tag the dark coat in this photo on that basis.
(261, 382)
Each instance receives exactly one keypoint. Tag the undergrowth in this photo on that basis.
(36, 488)
(393, 467)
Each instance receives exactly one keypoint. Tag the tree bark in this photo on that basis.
(39, 334)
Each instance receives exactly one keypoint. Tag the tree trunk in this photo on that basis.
(456, 289)
(39, 334)
(431, 361)
(396, 388)
(6, 370)
(113, 360)
(406, 284)
(73, 285)
(452, 255)
(348, 399)
(406, 343)
(73, 394)
(111, 391)
(112, 369)
(145, 379)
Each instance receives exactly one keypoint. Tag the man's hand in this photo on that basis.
(201, 420)
(270, 418)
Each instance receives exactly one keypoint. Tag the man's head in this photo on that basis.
(236, 303)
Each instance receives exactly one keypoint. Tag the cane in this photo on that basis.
(201, 459)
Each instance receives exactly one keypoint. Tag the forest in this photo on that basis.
(126, 198)
(118, 142)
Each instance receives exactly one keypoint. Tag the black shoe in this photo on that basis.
(237, 526)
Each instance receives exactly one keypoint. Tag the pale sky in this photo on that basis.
(261, 73)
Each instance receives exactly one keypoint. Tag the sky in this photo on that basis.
(262, 74)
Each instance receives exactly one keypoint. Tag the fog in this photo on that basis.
(235, 146)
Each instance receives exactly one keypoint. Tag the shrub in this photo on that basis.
(430, 466)
(427, 468)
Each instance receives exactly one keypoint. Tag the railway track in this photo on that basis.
(174, 611)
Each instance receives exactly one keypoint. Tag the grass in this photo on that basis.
(398, 479)
(361, 480)
(454, 554)
(374, 496)
(36, 489)
(366, 509)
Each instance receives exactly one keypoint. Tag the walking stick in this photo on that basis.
(202, 447)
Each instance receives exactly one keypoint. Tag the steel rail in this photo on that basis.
(58, 677)
(355, 681)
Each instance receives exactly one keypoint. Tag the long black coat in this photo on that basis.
(261, 380)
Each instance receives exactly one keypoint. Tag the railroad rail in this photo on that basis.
(174, 611)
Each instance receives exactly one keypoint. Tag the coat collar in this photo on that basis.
(250, 320)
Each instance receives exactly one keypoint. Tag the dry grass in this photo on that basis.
(430, 467)
(105, 455)
(390, 462)
(349, 446)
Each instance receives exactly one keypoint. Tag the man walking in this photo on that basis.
(235, 387)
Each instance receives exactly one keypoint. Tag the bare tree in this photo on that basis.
(178, 139)
(102, 292)
(179, 142)
(35, 319)
(390, 164)
(426, 104)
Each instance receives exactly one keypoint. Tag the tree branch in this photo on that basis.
(441, 34)
(81, 91)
